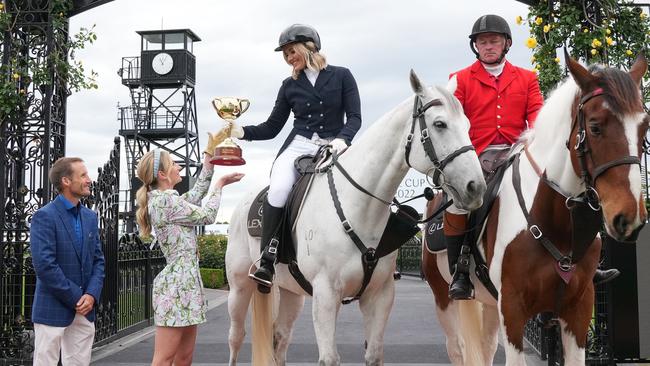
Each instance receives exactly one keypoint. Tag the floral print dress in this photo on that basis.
(178, 299)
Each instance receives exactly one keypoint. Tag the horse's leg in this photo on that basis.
(376, 307)
(290, 307)
(574, 322)
(239, 296)
(446, 309)
(448, 318)
(513, 320)
(325, 308)
(490, 333)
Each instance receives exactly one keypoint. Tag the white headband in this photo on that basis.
(156, 162)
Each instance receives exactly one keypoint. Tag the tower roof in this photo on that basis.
(155, 36)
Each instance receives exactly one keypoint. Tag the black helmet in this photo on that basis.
(298, 33)
(490, 24)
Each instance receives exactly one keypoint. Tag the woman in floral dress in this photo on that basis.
(178, 301)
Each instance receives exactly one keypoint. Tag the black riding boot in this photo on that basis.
(458, 255)
(602, 276)
(271, 219)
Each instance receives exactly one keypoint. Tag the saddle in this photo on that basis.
(306, 166)
(494, 161)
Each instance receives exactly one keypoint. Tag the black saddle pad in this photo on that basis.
(286, 252)
(434, 236)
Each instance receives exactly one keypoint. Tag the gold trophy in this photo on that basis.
(228, 152)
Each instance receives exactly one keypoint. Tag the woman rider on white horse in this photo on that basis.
(325, 103)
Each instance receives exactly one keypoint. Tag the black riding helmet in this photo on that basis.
(490, 24)
(298, 33)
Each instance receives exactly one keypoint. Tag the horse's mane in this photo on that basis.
(454, 104)
(554, 119)
(619, 89)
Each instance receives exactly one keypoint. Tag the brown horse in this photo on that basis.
(580, 163)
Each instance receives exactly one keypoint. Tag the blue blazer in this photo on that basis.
(316, 108)
(63, 274)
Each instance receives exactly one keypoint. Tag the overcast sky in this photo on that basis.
(378, 40)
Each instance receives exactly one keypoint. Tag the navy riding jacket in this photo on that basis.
(318, 108)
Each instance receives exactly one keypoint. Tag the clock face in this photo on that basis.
(162, 63)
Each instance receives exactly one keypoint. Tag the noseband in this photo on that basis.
(425, 139)
(582, 150)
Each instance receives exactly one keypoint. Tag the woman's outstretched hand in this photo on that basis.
(228, 179)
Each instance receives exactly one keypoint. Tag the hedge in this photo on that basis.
(212, 278)
(212, 251)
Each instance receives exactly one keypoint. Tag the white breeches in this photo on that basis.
(284, 173)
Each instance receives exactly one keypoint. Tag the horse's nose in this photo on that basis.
(620, 225)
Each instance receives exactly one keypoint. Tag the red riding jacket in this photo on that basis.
(500, 109)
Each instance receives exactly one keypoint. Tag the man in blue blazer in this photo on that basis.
(69, 265)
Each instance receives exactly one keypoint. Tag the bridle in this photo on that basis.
(582, 150)
(425, 139)
(577, 205)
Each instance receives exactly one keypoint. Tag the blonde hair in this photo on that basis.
(314, 60)
(148, 177)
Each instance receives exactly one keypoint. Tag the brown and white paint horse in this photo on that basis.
(521, 269)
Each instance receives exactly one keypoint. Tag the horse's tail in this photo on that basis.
(471, 324)
(262, 324)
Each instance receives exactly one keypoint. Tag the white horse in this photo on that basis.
(325, 253)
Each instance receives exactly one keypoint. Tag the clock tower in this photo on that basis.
(162, 111)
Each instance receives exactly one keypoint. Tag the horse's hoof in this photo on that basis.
(263, 289)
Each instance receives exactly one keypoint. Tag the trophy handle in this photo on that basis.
(214, 104)
(244, 104)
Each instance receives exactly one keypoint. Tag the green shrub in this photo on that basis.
(212, 251)
(212, 278)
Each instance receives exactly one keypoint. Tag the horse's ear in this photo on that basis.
(416, 85)
(581, 75)
(639, 68)
(452, 84)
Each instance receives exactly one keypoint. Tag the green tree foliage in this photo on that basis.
(20, 72)
(612, 36)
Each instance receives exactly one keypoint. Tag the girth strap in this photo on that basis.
(368, 258)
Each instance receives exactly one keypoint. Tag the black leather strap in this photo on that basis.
(565, 261)
(353, 182)
(368, 258)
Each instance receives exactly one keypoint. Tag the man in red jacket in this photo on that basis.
(501, 101)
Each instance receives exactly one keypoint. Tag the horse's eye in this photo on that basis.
(439, 124)
(594, 128)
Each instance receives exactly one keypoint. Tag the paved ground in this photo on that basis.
(413, 335)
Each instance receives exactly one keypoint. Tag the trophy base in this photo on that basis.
(227, 161)
(228, 155)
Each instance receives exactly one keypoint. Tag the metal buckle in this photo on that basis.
(592, 198)
(535, 230)
(565, 264)
(580, 138)
(346, 226)
(425, 135)
(273, 250)
(409, 138)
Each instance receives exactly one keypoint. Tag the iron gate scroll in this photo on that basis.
(409, 258)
